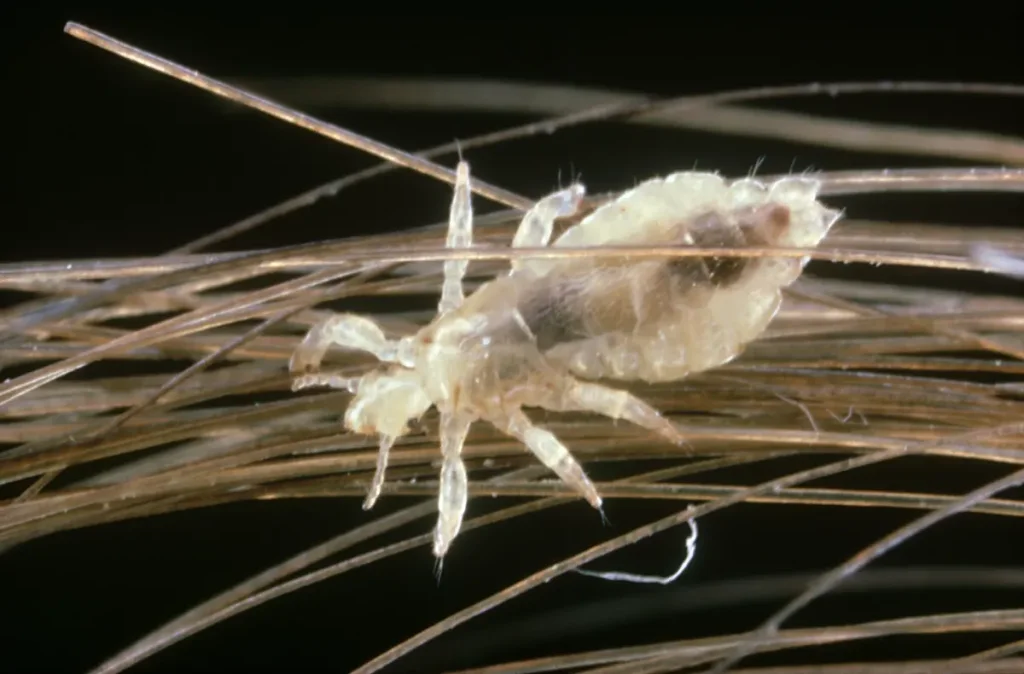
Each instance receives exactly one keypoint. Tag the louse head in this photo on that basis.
(386, 402)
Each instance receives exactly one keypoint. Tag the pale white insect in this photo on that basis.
(533, 337)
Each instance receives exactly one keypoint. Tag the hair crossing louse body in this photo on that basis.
(541, 335)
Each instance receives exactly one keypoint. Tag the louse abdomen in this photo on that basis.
(612, 295)
(554, 312)
(661, 320)
(757, 227)
(652, 319)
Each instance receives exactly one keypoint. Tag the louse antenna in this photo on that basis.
(284, 113)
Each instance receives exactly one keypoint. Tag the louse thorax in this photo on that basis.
(478, 350)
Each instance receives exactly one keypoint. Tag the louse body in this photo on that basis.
(540, 335)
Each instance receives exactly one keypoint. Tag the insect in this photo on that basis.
(540, 335)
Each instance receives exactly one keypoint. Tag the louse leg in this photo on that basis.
(378, 476)
(454, 491)
(536, 227)
(348, 331)
(551, 453)
(618, 404)
(327, 379)
(460, 235)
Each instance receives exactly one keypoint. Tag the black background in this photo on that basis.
(107, 159)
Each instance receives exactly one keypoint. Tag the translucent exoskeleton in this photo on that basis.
(540, 335)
